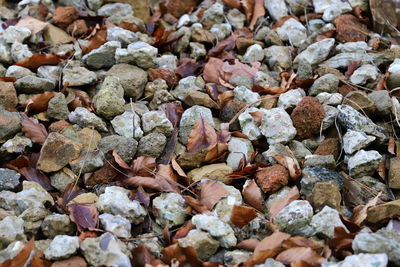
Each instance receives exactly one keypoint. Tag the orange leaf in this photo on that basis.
(22, 257)
(75, 261)
(276, 207)
(252, 195)
(35, 131)
(300, 253)
(145, 182)
(211, 192)
(201, 137)
(248, 244)
(259, 11)
(38, 103)
(232, 3)
(242, 215)
(196, 204)
(119, 160)
(391, 145)
(38, 60)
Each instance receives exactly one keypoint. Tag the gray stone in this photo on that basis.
(328, 83)
(11, 251)
(170, 209)
(15, 34)
(58, 107)
(202, 242)
(382, 101)
(18, 72)
(277, 126)
(52, 73)
(295, 218)
(363, 163)
(291, 98)
(123, 36)
(75, 75)
(313, 175)
(276, 8)
(214, 14)
(333, 99)
(62, 178)
(335, 10)
(116, 224)
(221, 31)
(95, 4)
(152, 145)
(125, 147)
(325, 221)
(15, 146)
(264, 80)
(156, 122)
(293, 31)
(105, 250)
(132, 79)
(85, 118)
(138, 53)
(271, 263)
(197, 50)
(223, 209)
(11, 124)
(9, 179)
(12, 229)
(299, 150)
(33, 84)
(362, 259)
(88, 161)
(33, 219)
(186, 85)
(247, 96)
(297, 7)
(356, 140)
(240, 150)
(167, 61)
(315, 53)
(20, 51)
(253, 53)
(234, 257)
(5, 53)
(352, 47)
(364, 74)
(276, 149)
(128, 124)
(109, 101)
(278, 57)
(57, 224)
(115, 201)
(329, 116)
(62, 247)
(342, 60)
(248, 125)
(102, 57)
(393, 80)
(190, 117)
(115, 9)
(216, 228)
(326, 161)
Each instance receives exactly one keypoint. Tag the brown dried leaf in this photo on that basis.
(360, 212)
(233, 3)
(352, 67)
(184, 230)
(242, 215)
(291, 164)
(142, 256)
(85, 216)
(258, 11)
(349, 29)
(174, 113)
(145, 182)
(341, 243)
(252, 195)
(211, 192)
(248, 244)
(74, 261)
(97, 40)
(240, 69)
(34, 131)
(38, 103)
(34, 25)
(179, 7)
(202, 136)
(276, 207)
(188, 67)
(300, 254)
(22, 257)
(144, 166)
(119, 160)
(392, 145)
(196, 204)
(186, 255)
(38, 60)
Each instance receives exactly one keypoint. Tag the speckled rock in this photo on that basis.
(152, 145)
(62, 247)
(202, 242)
(125, 147)
(57, 224)
(12, 229)
(9, 179)
(325, 221)
(277, 126)
(85, 118)
(170, 209)
(295, 218)
(116, 224)
(364, 163)
(109, 101)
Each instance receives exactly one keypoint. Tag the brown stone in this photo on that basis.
(201, 35)
(383, 212)
(329, 146)
(59, 126)
(8, 95)
(345, 89)
(268, 102)
(273, 178)
(325, 194)
(394, 173)
(307, 117)
(89, 138)
(57, 152)
(360, 102)
(65, 15)
(194, 97)
(350, 29)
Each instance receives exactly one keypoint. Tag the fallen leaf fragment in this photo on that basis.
(34, 131)
(242, 215)
(360, 212)
(291, 164)
(269, 247)
(201, 137)
(38, 60)
(34, 25)
(276, 207)
(85, 215)
(22, 257)
(38, 103)
(300, 254)
(252, 195)
(259, 11)
(211, 192)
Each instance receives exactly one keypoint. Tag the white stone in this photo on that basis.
(291, 98)
(139, 53)
(12, 228)
(364, 74)
(364, 163)
(332, 99)
(253, 53)
(362, 259)
(156, 122)
(18, 72)
(15, 34)
(168, 62)
(248, 125)
(128, 124)
(329, 116)
(116, 224)
(221, 31)
(278, 57)
(333, 11)
(352, 47)
(240, 150)
(325, 221)
(315, 53)
(356, 140)
(292, 31)
(186, 85)
(393, 80)
(62, 247)
(85, 118)
(247, 96)
(20, 51)
(276, 8)
(171, 209)
(277, 126)
(123, 36)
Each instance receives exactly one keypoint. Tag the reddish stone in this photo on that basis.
(273, 178)
(59, 126)
(65, 15)
(307, 117)
(329, 146)
(345, 89)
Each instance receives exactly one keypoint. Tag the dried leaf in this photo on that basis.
(341, 243)
(349, 29)
(184, 230)
(269, 247)
(229, 43)
(166, 178)
(242, 215)
(38, 60)
(392, 145)
(179, 7)
(74, 261)
(300, 253)
(188, 67)
(196, 204)
(291, 164)
(34, 131)
(22, 257)
(85, 216)
(120, 161)
(252, 195)
(97, 40)
(240, 69)
(174, 113)
(34, 175)
(248, 244)
(177, 168)
(211, 192)
(38, 103)
(70, 192)
(360, 212)
(202, 136)
(143, 256)
(168, 75)
(145, 182)
(277, 206)
(143, 166)
(233, 3)
(34, 25)
(382, 82)
(259, 11)
(352, 67)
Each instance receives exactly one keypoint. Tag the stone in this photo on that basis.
(333, 99)
(249, 125)
(264, 79)
(335, 10)
(217, 171)
(102, 57)
(329, 146)
(62, 178)
(202, 242)
(292, 31)
(313, 175)
(253, 53)
(12, 230)
(278, 57)
(240, 150)
(325, 194)
(104, 250)
(197, 50)
(276, 8)
(383, 212)
(114, 9)
(315, 53)
(299, 150)
(223, 209)
(297, 6)
(9, 179)
(15, 34)
(326, 161)
(88, 161)
(152, 145)
(353, 120)
(5, 53)
(58, 107)
(330, 116)
(154, 86)
(274, 150)
(33, 84)
(11, 251)
(277, 126)
(360, 102)
(247, 96)
(363, 163)
(76, 75)
(62, 247)
(214, 14)
(190, 117)
(132, 79)
(138, 53)
(20, 51)
(125, 147)
(291, 98)
(89, 138)
(393, 80)
(394, 173)
(352, 47)
(362, 259)
(231, 258)
(57, 224)
(271, 263)
(115, 201)
(325, 221)
(221, 31)
(65, 15)
(382, 102)
(188, 85)
(354, 141)
(382, 241)
(121, 35)
(170, 209)
(307, 117)
(272, 178)
(10, 124)
(85, 118)
(116, 224)
(328, 83)
(109, 101)
(18, 72)
(364, 74)
(216, 228)
(57, 152)
(128, 125)
(194, 98)
(14, 147)
(344, 59)
(295, 218)
(8, 95)
(200, 35)
(156, 122)
(360, 196)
